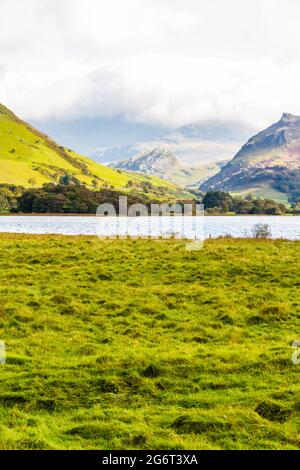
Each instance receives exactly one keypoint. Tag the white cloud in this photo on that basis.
(155, 61)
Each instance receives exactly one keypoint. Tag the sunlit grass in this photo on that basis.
(143, 344)
(29, 158)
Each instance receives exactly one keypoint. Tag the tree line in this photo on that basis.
(222, 202)
(78, 199)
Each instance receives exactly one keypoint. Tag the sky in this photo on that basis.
(154, 63)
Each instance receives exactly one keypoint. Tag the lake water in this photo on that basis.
(209, 226)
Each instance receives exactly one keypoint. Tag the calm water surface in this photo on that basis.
(238, 226)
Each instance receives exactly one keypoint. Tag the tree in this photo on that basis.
(68, 179)
(261, 231)
(217, 199)
(129, 184)
(8, 197)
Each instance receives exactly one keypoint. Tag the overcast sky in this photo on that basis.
(159, 62)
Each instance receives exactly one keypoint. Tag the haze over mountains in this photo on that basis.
(199, 149)
(195, 144)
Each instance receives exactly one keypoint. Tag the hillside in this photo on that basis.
(158, 161)
(30, 158)
(169, 349)
(269, 163)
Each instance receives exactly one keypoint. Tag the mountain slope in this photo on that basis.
(30, 158)
(265, 162)
(157, 161)
(163, 163)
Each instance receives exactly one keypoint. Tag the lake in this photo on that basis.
(209, 226)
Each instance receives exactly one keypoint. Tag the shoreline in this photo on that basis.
(187, 241)
(141, 238)
(50, 214)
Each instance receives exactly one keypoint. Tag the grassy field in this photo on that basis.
(143, 344)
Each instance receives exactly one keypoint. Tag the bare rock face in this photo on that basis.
(156, 162)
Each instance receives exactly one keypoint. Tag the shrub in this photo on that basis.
(261, 231)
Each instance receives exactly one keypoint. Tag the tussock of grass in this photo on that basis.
(205, 424)
(273, 411)
(170, 349)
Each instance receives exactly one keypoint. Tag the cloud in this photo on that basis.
(165, 62)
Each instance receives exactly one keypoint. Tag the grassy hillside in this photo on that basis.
(193, 176)
(264, 192)
(30, 158)
(149, 345)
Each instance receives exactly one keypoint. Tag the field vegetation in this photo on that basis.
(142, 344)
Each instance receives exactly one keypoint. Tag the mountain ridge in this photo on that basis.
(163, 163)
(265, 161)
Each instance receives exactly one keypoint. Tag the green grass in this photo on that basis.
(143, 344)
(28, 157)
(193, 176)
(265, 192)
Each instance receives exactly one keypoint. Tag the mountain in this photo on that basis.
(213, 131)
(159, 161)
(268, 163)
(30, 158)
(162, 162)
(196, 144)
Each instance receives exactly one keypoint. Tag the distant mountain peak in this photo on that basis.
(269, 157)
(157, 154)
(288, 117)
(155, 161)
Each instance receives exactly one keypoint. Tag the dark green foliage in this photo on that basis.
(67, 179)
(71, 198)
(288, 181)
(218, 201)
(9, 197)
(257, 206)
